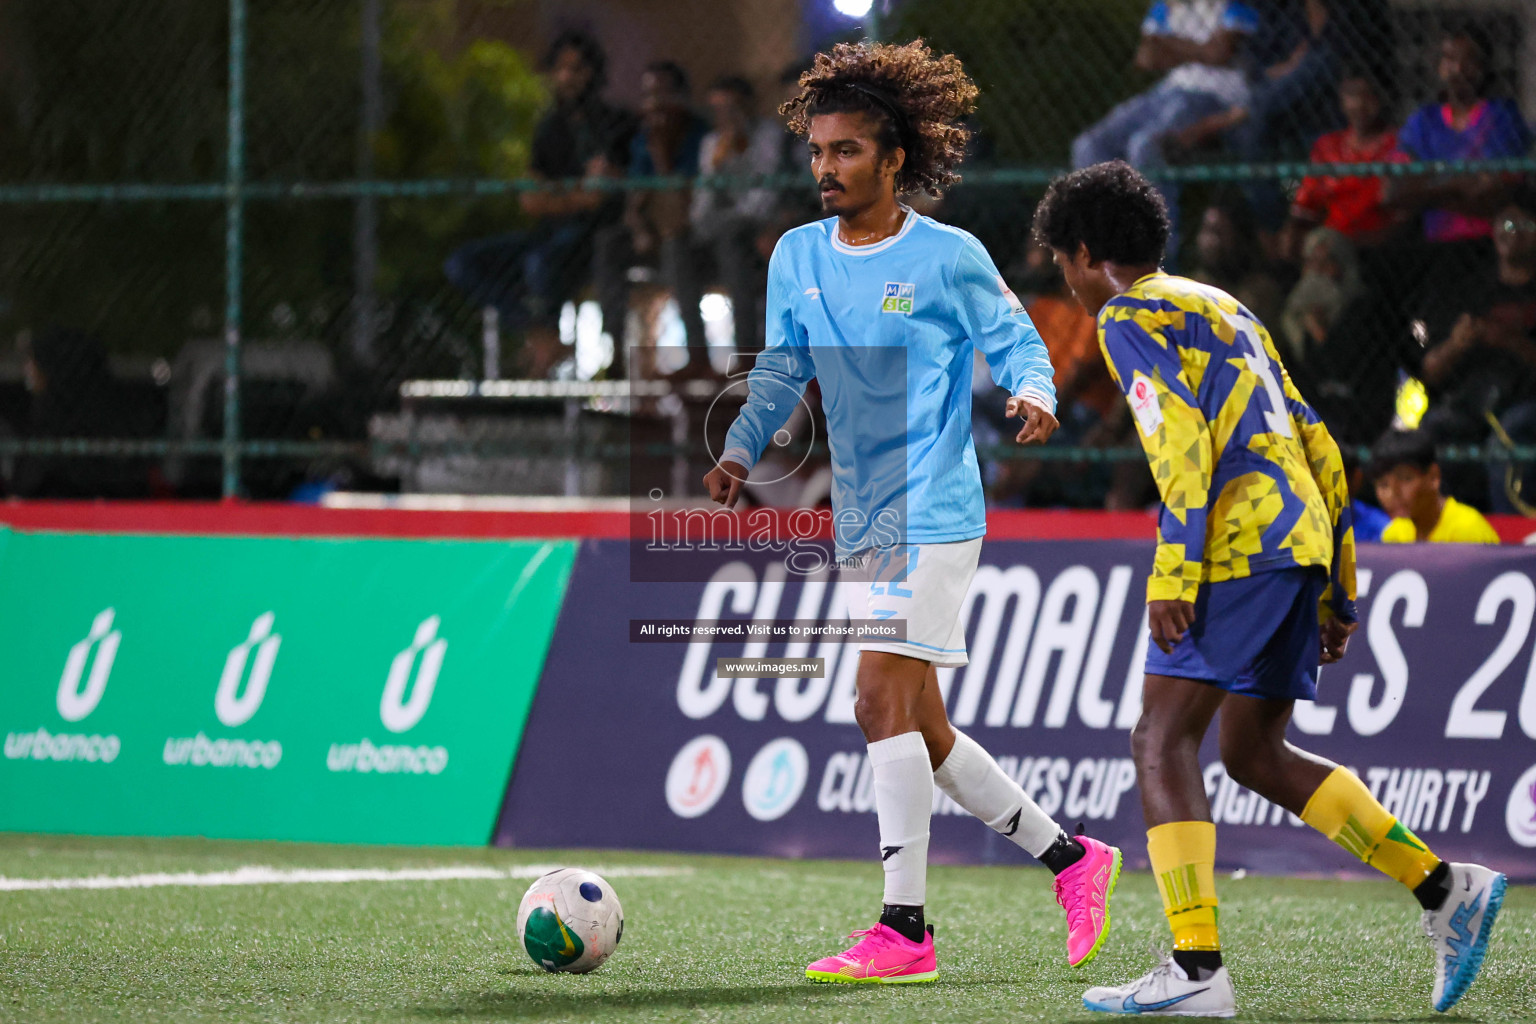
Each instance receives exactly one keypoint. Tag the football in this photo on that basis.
(570, 920)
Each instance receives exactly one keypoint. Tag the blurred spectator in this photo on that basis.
(726, 221)
(1369, 519)
(1198, 42)
(655, 226)
(1228, 255)
(1288, 97)
(1330, 280)
(1351, 206)
(1408, 487)
(795, 206)
(74, 395)
(1088, 403)
(528, 275)
(1465, 124)
(1481, 331)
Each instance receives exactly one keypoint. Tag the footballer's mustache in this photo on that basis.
(829, 185)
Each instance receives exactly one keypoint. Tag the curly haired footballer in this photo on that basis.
(917, 99)
(885, 308)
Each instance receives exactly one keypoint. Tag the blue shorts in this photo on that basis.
(1256, 636)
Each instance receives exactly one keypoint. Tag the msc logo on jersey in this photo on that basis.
(898, 298)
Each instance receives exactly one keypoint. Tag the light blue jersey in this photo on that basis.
(890, 332)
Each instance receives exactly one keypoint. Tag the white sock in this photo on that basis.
(903, 804)
(973, 780)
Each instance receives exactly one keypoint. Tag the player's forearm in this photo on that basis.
(1163, 53)
(1027, 372)
(1176, 567)
(772, 396)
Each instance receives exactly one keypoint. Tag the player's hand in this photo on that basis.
(723, 483)
(1335, 634)
(1169, 621)
(1039, 425)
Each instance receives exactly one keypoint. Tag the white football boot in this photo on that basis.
(1167, 992)
(1459, 929)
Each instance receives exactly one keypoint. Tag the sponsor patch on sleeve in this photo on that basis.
(1143, 396)
(1014, 305)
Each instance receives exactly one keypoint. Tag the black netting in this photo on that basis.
(393, 239)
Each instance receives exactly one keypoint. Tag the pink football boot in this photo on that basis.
(881, 956)
(1083, 890)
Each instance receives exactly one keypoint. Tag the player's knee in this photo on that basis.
(1146, 738)
(874, 709)
(1248, 764)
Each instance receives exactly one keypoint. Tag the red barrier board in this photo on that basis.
(263, 519)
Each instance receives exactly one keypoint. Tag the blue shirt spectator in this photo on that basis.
(1464, 124)
(1198, 42)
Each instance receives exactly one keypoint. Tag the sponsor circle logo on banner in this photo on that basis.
(698, 776)
(1520, 810)
(774, 779)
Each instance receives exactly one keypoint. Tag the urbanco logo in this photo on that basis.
(775, 779)
(698, 776)
(396, 712)
(1520, 810)
(236, 708)
(73, 702)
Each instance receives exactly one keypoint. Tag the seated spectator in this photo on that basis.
(1481, 334)
(1198, 42)
(1289, 96)
(1088, 403)
(1369, 518)
(1351, 206)
(1228, 255)
(794, 206)
(1408, 487)
(74, 394)
(1330, 281)
(1466, 124)
(528, 275)
(726, 221)
(655, 224)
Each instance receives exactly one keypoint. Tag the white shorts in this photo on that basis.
(922, 584)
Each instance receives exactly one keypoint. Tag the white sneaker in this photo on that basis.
(1459, 929)
(1168, 992)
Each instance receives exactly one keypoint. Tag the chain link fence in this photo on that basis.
(272, 248)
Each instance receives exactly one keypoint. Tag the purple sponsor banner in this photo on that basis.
(643, 745)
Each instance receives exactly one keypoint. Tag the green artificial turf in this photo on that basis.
(727, 941)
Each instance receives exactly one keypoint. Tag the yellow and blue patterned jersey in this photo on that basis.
(1250, 479)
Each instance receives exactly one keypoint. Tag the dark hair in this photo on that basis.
(673, 70)
(1474, 34)
(1401, 447)
(1362, 73)
(1238, 210)
(590, 50)
(1118, 214)
(736, 84)
(915, 98)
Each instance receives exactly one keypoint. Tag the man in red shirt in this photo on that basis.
(1351, 206)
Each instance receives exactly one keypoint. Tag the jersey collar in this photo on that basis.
(870, 250)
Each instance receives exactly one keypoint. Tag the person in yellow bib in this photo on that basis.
(1408, 487)
(1252, 590)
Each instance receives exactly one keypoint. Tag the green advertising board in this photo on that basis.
(266, 688)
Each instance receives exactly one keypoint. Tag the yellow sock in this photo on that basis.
(1344, 810)
(1183, 855)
